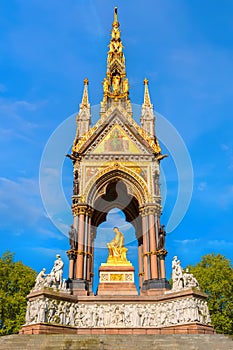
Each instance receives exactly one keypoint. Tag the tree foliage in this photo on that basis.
(16, 280)
(215, 276)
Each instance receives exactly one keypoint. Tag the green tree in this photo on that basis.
(215, 275)
(16, 280)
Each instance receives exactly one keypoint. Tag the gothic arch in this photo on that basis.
(135, 185)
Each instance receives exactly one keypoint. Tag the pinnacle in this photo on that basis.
(115, 84)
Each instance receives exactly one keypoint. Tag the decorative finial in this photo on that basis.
(115, 15)
(85, 102)
(147, 117)
(147, 101)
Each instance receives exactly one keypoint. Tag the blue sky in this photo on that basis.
(47, 48)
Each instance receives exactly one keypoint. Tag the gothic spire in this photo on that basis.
(115, 84)
(147, 118)
(84, 115)
(147, 102)
(85, 102)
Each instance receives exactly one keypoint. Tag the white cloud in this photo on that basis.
(229, 154)
(225, 199)
(49, 251)
(18, 116)
(225, 147)
(187, 241)
(202, 186)
(51, 171)
(20, 197)
(12, 107)
(49, 233)
(219, 243)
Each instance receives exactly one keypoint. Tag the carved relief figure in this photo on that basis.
(142, 315)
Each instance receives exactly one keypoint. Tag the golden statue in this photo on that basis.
(117, 251)
(105, 85)
(126, 85)
(116, 83)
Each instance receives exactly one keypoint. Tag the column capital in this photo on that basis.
(71, 254)
(150, 209)
(79, 209)
(162, 253)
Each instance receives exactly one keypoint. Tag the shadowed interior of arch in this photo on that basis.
(114, 218)
(116, 195)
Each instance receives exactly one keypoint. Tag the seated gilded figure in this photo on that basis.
(117, 251)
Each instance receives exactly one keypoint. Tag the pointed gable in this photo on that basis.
(117, 142)
(117, 133)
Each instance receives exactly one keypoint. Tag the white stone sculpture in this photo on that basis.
(182, 279)
(53, 279)
(177, 275)
(190, 280)
(142, 315)
(40, 278)
(57, 270)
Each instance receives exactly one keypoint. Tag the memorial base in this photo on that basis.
(43, 328)
(183, 312)
(116, 280)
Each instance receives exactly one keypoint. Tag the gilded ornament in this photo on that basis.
(105, 85)
(126, 85)
(117, 250)
(117, 277)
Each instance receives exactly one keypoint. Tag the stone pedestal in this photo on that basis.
(79, 287)
(116, 280)
(50, 311)
(155, 287)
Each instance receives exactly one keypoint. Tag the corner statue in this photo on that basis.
(57, 270)
(117, 251)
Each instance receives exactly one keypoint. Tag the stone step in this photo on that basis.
(117, 342)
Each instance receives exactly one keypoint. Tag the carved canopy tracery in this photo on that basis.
(135, 185)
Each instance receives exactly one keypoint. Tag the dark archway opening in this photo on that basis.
(115, 206)
(105, 233)
(116, 195)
